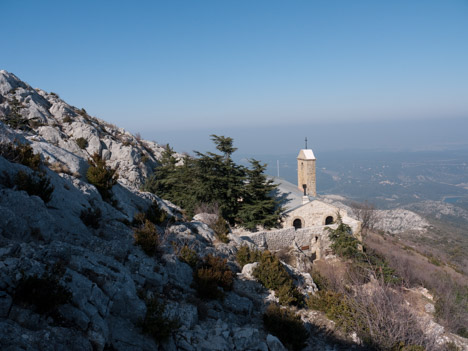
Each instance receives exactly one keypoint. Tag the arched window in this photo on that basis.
(297, 223)
(329, 220)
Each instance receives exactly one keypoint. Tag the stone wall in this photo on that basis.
(284, 238)
(313, 239)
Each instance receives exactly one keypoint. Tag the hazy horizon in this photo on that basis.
(363, 73)
(412, 135)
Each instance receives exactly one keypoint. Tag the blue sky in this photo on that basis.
(159, 67)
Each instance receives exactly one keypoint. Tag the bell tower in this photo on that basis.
(306, 172)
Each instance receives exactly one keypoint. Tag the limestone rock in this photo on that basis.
(248, 269)
(274, 344)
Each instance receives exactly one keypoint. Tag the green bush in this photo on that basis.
(44, 293)
(101, 176)
(82, 143)
(156, 323)
(155, 214)
(91, 217)
(364, 261)
(14, 118)
(335, 306)
(343, 243)
(21, 153)
(221, 229)
(147, 237)
(245, 255)
(286, 326)
(36, 184)
(188, 256)
(272, 274)
(213, 277)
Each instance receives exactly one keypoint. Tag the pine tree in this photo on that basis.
(244, 196)
(161, 182)
(219, 179)
(259, 205)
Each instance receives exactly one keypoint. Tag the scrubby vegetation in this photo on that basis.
(245, 255)
(365, 296)
(366, 262)
(188, 255)
(245, 196)
(414, 270)
(156, 323)
(44, 293)
(286, 326)
(21, 153)
(91, 217)
(273, 275)
(82, 143)
(147, 237)
(13, 118)
(34, 184)
(101, 176)
(155, 214)
(221, 229)
(335, 306)
(213, 277)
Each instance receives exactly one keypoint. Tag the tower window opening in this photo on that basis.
(329, 220)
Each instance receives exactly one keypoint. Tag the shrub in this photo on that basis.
(245, 255)
(36, 184)
(91, 217)
(335, 306)
(188, 256)
(13, 118)
(44, 293)
(82, 143)
(451, 306)
(286, 325)
(156, 323)
(21, 153)
(147, 237)
(101, 176)
(67, 119)
(213, 277)
(344, 244)
(272, 274)
(155, 214)
(221, 229)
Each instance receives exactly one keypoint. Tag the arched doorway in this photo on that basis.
(329, 220)
(297, 223)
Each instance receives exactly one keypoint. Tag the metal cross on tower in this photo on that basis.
(306, 143)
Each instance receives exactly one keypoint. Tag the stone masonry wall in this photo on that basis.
(284, 238)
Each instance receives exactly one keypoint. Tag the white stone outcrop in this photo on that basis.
(108, 276)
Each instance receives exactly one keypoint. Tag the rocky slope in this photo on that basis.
(75, 250)
(108, 276)
(395, 221)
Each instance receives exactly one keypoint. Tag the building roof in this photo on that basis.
(290, 193)
(306, 154)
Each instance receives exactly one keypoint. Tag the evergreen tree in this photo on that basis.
(219, 179)
(244, 196)
(259, 205)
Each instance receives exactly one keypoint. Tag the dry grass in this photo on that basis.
(449, 287)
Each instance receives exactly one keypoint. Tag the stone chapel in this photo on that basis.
(305, 208)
